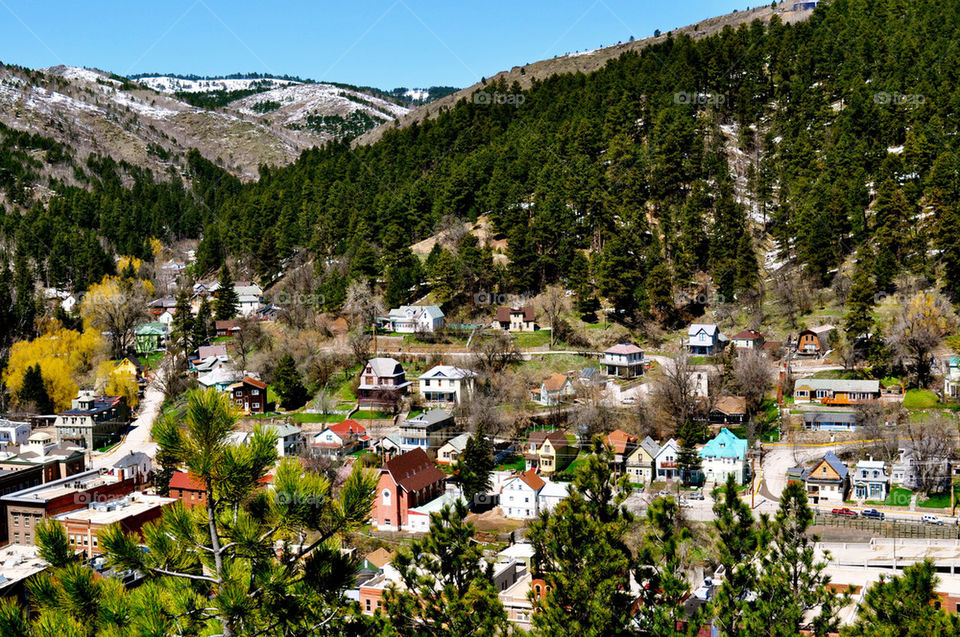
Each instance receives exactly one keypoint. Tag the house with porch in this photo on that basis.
(870, 480)
(828, 481)
(835, 391)
(409, 319)
(704, 339)
(382, 382)
(729, 410)
(446, 384)
(623, 360)
(428, 431)
(525, 495)
(149, 337)
(622, 445)
(665, 462)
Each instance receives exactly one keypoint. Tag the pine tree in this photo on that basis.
(582, 556)
(288, 383)
(227, 304)
(448, 584)
(182, 326)
(689, 434)
(473, 467)
(203, 328)
(660, 569)
(34, 391)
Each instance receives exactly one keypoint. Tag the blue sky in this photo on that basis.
(386, 44)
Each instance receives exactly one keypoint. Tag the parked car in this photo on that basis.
(663, 493)
(696, 495)
(873, 513)
(845, 511)
(931, 519)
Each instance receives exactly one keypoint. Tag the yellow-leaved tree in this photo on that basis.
(115, 379)
(116, 306)
(64, 356)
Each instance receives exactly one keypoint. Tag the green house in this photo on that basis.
(150, 337)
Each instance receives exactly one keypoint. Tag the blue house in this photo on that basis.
(724, 455)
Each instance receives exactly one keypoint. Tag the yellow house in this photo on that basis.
(126, 367)
(640, 462)
(549, 451)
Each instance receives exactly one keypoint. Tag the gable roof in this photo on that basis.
(459, 442)
(447, 371)
(556, 438)
(385, 366)
(531, 479)
(829, 416)
(833, 461)
(709, 328)
(668, 445)
(725, 445)
(431, 417)
(555, 382)
(206, 351)
(619, 440)
(623, 348)
(747, 335)
(348, 427)
(651, 446)
(133, 459)
(413, 470)
(504, 312)
(186, 481)
(380, 558)
(432, 311)
(820, 329)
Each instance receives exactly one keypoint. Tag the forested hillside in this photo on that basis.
(773, 144)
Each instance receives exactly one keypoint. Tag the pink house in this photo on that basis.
(406, 481)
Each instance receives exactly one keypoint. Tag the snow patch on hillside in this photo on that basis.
(417, 94)
(297, 102)
(167, 84)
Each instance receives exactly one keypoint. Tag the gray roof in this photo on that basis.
(459, 442)
(432, 417)
(385, 366)
(829, 416)
(839, 384)
(285, 429)
(131, 460)
(831, 459)
(651, 446)
(709, 328)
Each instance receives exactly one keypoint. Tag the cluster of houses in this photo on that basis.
(829, 481)
(428, 319)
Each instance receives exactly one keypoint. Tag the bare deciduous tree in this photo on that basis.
(552, 304)
(932, 444)
(248, 337)
(877, 431)
(359, 343)
(493, 351)
(919, 327)
(116, 306)
(675, 390)
(362, 305)
(753, 377)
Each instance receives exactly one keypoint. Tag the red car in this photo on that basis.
(845, 511)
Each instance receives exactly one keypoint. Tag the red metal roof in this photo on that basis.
(185, 481)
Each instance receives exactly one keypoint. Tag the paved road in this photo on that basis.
(138, 435)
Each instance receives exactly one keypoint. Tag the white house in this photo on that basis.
(428, 431)
(724, 455)
(623, 360)
(446, 384)
(451, 449)
(408, 319)
(665, 462)
(951, 382)
(705, 339)
(13, 432)
(523, 496)
(870, 480)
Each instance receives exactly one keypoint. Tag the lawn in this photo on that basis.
(920, 399)
(513, 463)
(532, 339)
(898, 496)
(302, 417)
(938, 501)
(364, 414)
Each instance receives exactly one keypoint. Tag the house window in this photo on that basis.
(256, 405)
(386, 497)
(368, 605)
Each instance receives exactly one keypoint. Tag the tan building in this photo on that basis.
(131, 512)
